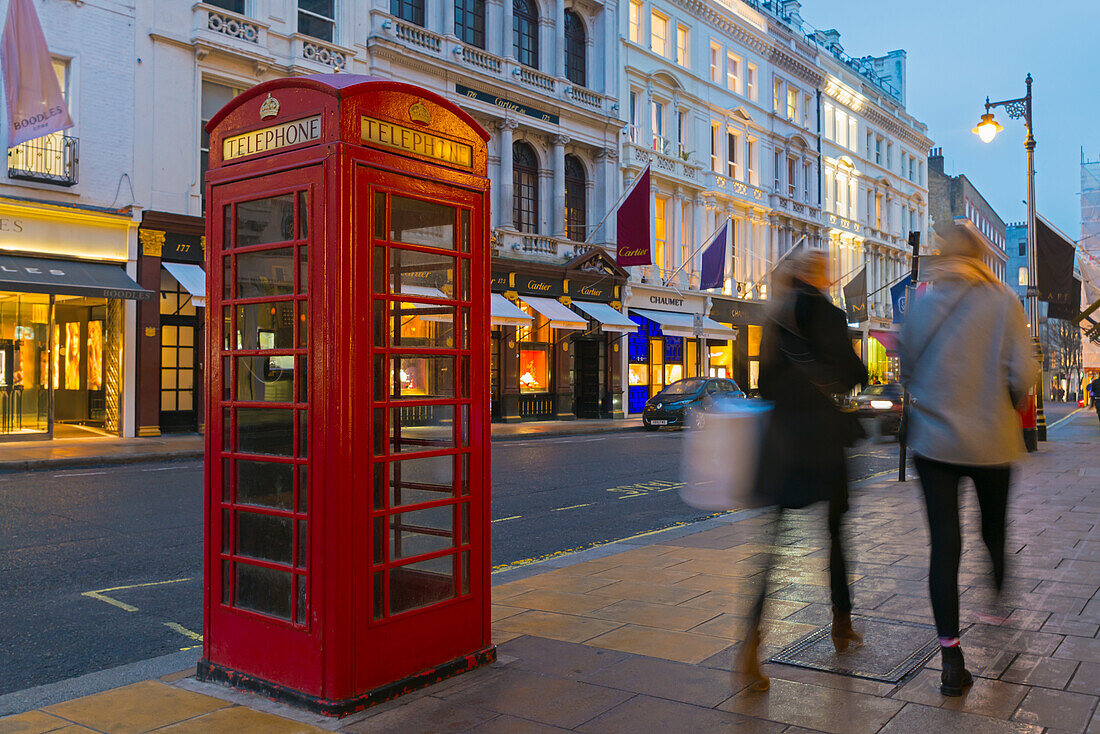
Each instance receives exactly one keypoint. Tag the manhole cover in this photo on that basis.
(891, 649)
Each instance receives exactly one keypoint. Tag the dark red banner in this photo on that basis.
(633, 245)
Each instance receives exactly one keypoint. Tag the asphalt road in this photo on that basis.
(102, 567)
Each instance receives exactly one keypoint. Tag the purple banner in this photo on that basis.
(713, 271)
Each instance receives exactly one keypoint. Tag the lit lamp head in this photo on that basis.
(988, 128)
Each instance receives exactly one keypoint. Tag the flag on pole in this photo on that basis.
(713, 271)
(899, 297)
(855, 298)
(36, 106)
(632, 246)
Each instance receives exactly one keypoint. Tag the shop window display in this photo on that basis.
(534, 371)
(720, 359)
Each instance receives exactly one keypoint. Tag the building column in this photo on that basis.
(558, 228)
(677, 229)
(448, 7)
(697, 212)
(546, 200)
(559, 36)
(658, 263)
(506, 39)
(610, 43)
(504, 204)
(611, 187)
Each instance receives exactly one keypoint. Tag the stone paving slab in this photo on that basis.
(640, 636)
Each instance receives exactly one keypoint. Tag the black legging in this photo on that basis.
(838, 569)
(940, 483)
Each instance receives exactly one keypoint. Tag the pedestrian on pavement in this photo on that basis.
(806, 359)
(967, 362)
(1094, 395)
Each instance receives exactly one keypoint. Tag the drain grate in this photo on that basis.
(891, 649)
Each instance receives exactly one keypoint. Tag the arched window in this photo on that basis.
(576, 200)
(408, 10)
(574, 48)
(525, 188)
(525, 36)
(470, 22)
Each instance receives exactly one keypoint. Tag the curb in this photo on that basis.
(70, 462)
(564, 434)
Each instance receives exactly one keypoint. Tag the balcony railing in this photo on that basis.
(50, 159)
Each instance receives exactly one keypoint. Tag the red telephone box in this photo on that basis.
(347, 420)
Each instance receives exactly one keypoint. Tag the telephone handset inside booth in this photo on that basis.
(347, 481)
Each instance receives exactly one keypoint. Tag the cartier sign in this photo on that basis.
(530, 285)
(592, 291)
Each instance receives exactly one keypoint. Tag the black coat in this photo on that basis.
(802, 459)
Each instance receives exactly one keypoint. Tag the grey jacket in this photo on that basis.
(960, 383)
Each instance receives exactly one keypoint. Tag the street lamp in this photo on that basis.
(987, 129)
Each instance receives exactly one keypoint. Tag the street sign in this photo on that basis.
(697, 324)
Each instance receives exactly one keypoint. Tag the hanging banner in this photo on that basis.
(36, 106)
(1071, 310)
(855, 298)
(713, 271)
(1054, 271)
(899, 298)
(632, 246)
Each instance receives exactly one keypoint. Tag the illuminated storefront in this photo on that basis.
(882, 356)
(170, 356)
(62, 334)
(741, 355)
(672, 342)
(555, 349)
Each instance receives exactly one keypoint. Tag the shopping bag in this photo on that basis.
(720, 459)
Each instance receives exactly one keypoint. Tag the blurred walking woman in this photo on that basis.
(967, 362)
(806, 358)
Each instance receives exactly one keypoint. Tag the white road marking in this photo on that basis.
(78, 474)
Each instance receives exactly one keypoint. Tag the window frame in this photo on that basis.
(576, 51)
(634, 21)
(410, 11)
(683, 45)
(330, 21)
(733, 72)
(715, 62)
(525, 26)
(658, 19)
(470, 33)
(576, 199)
(525, 189)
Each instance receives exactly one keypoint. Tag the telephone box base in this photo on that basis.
(214, 673)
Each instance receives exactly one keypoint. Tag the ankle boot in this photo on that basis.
(842, 633)
(955, 677)
(748, 662)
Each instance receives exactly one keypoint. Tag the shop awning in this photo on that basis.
(888, 339)
(609, 318)
(192, 278)
(559, 316)
(421, 291)
(674, 323)
(503, 312)
(68, 277)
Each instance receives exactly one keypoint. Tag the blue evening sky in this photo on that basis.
(960, 51)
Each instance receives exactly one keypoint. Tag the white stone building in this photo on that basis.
(746, 113)
(69, 212)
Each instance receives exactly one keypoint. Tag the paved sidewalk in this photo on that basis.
(20, 456)
(637, 637)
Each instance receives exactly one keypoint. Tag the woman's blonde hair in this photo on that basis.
(807, 265)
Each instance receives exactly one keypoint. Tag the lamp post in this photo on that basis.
(987, 129)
